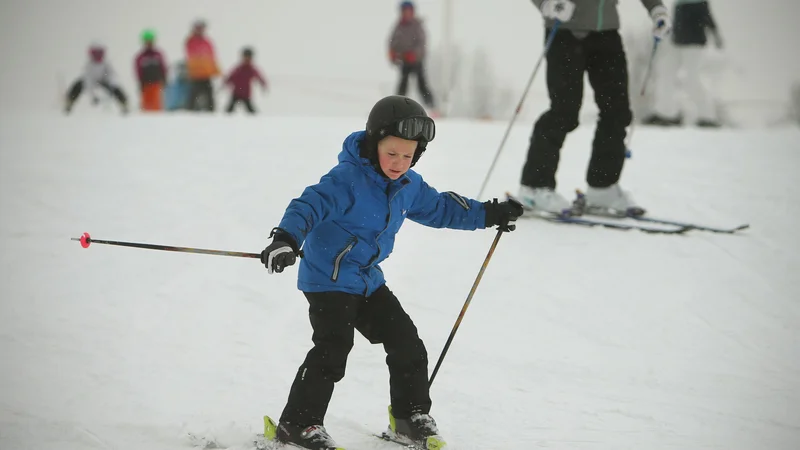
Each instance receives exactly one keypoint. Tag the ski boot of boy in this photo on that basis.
(313, 437)
(418, 430)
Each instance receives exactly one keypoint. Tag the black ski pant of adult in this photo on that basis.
(418, 69)
(381, 319)
(245, 101)
(602, 56)
(199, 89)
(77, 87)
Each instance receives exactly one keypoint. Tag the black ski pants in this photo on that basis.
(601, 55)
(77, 87)
(199, 90)
(381, 319)
(245, 101)
(418, 69)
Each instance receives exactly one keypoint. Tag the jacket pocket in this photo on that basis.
(340, 257)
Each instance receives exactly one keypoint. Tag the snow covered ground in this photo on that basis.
(576, 339)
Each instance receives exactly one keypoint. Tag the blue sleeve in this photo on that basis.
(326, 200)
(446, 210)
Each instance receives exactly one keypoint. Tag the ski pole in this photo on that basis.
(87, 240)
(466, 305)
(642, 92)
(547, 45)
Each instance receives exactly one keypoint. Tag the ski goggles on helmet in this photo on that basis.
(414, 129)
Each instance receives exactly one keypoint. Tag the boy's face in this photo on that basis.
(395, 155)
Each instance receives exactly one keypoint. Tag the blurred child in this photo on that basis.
(151, 71)
(407, 51)
(97, 72)
(240, 80)
(177, 91)
(201, 65)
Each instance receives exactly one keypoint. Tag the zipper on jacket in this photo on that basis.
(338, 261)
(388, 221)
(600, 14)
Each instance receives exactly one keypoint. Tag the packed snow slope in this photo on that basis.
(576, 338)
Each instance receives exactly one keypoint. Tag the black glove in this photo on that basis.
(281, 253)
(502, 214)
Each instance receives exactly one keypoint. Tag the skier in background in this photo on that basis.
(240, 79)
(407, 47)
(97, 73)
(202, 67)
(177, 91)
(151, 72)
(346, 228)
(587, 41)
(693, 20)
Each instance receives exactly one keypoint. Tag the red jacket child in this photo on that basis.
(243, 75)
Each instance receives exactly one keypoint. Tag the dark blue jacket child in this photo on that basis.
(346, 226)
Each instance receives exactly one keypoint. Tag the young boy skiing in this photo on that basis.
(240, 80)
(346, 225)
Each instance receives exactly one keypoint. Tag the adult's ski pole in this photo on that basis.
(547, 45)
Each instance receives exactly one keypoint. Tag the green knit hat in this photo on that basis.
(148, 35)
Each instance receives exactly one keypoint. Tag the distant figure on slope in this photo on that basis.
(240, 79)
(587, 41)
(684, 60)
(177, 92)
(97, 72)
(346, 225)
(151, 72)
(407, 48)
(202, 67)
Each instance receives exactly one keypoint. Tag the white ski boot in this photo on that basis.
(612, 201)
(543, 201)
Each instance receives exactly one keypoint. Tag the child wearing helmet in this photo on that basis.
(342, 228)
(240, 79)
(151, 72)
(96, 72)
(407, 49)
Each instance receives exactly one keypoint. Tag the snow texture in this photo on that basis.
(576, 338)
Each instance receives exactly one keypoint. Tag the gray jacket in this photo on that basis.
(408, 37)
(595, 15)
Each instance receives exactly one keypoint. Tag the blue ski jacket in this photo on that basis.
(346, 224)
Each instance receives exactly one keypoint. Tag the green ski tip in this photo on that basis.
(270, 429)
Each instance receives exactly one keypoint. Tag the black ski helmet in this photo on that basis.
(398, 116)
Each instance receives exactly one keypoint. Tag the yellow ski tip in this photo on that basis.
(270, 429)
(435, 443)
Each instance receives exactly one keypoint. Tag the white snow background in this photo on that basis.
(576, 338)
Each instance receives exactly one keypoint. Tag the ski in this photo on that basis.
(590, 222)
(433, 442)
(654, 220)
(387, 438)
(613, 225)
(638, 214)
(692, 226)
